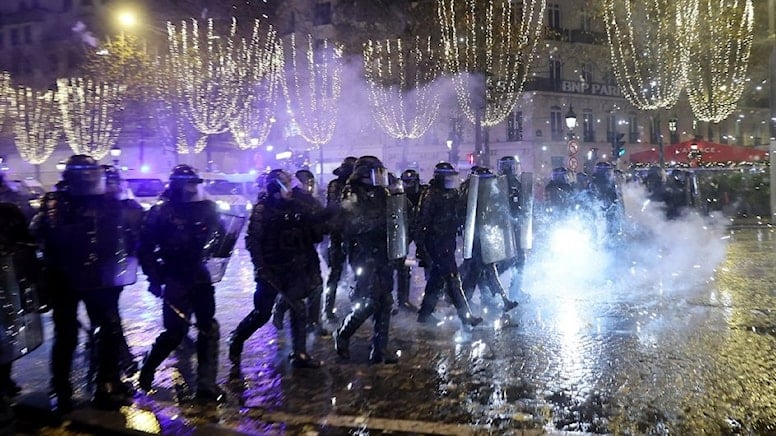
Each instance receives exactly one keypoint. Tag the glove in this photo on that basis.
(155, 289)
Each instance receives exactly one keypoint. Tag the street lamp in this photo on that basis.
(672, 129)
(571, 121)
(115, 152)
(61, 166)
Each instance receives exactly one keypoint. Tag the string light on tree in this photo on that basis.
(494, 41)
(35, 118)
(719, 57)
(251, 127)
(213, 70)
(312, 87)
(88, 108)
(649, 46)
(400, 77)
(5, 90)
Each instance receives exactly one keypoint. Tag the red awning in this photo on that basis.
(710, 152)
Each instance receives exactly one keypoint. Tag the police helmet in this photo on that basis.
(507, 165)
(279, 181)
(184, 183)
(560, 175)
(346, 167)
(307, 179)
(370, 170)
(480, 171)
(410, 176)
(84, 176)
(445, 175)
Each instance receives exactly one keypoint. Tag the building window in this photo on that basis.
(588, 126)
(27, 34)
(322, 14)
(586, 21)
(14, 37)
(611, 127)
(586, 73)
(553, 16)
(633, 128)
(557, 124)
(515, 126)
(555, 71)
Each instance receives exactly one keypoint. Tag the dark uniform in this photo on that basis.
(306, 194)
(558, 194)
(88, 247)
(173, 243)
(475, 273)
(606, 197)
(364, 202)
(439, 219)
(338, 247)
(281, 240)
(507, 166)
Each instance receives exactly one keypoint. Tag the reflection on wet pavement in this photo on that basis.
(669, 338)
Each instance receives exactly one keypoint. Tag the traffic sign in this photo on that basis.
(573, 163)
(573, 146)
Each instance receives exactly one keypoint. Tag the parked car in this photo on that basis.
(228, 195)
(146, 190)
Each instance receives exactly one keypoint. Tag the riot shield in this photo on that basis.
(469, 227)
(396, 218)
(21, 328)
(494, 222)
(526, 230)
(219, 246)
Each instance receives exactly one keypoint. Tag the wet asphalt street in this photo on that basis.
(672, 332)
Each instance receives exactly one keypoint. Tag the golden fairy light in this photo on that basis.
(718, 58)
(403, 99)
(489, 46)
(88, 108)
(5, 90)
(251, 127)
(213, 70)
(312, 87)
(649, 45)
(34, 115)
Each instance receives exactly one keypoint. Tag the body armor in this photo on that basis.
(90, 240)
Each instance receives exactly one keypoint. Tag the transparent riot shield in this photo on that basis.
(396, 217)
(220, 245)
(469, 227)
(21, 328)
(494, 222)
(526, 230)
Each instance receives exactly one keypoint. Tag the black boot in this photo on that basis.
(495, 283)
(329, 298)
(207, 364)
(241, 333)
(152, 360)
(461, 303)
(379, 351)
(350, 324)
(278, 313)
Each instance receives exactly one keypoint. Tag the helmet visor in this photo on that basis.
(379, 177)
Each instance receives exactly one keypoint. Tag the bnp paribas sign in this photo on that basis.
(590, 88)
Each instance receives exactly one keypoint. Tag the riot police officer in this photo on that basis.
(475, 271)
(439, 218)
(173, 241)
(607, 197)
(338, 246)
(281, 239)
(89, 256)
(306, 194)
(558, 193)
(518, 210)
(365, 207)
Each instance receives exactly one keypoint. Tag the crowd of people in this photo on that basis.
(94, 240)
